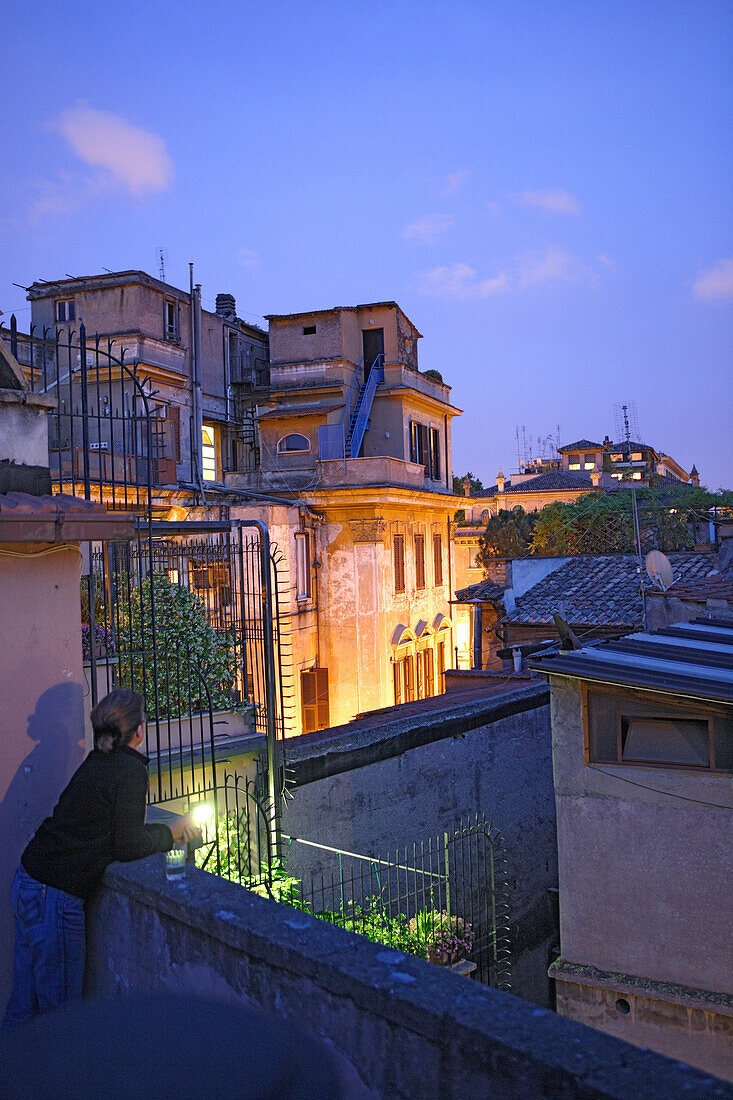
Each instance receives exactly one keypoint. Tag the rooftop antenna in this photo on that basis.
(519, 454)
(626, 422)
(162, 261)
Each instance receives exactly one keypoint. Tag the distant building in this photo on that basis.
(643, 758)
(195, 363)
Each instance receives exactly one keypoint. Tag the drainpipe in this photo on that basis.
(448, 485)
(196, 410)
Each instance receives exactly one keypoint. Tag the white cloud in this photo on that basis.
(555, 202)
(134, 158)
(716, 282)
(551, 266)
(430, 229)
(459, 282)
(247, 257)
(455, 181)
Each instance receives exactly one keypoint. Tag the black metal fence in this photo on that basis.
(444, 899)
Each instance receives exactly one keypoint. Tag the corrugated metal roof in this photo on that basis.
(693, 659)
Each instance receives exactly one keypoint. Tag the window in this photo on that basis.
(208, 452)
(302, 565)
(309, 330)
(419, 442)
(589, 461)
(636, 476)
(398, 550)
(434, 454)
(174, 415)
(404, 680)
(617, 458)
(573, 462)
(65, 310)
(170, 311)
(294, 442)
(437, 560)
(440, 654)
(314, 700)
(637, 456)
(624, 731)
(419, 561)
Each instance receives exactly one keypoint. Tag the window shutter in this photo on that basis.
(429, 666)
(399, 563)
(437, 560)
(434, 454)
(397, 671)
(322, 698)
(419, 561)
(424, 437)
(409, 680)
(174, 415)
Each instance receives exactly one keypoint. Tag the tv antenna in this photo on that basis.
(162, 261)
(659, 568)
(626, 423)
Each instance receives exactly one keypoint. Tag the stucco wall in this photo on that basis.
(644, 861)
(399, 1027)
(372, 789)
(42, 702)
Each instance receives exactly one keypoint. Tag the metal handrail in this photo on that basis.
(357, 425)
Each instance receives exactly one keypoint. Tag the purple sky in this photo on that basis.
(544, 188)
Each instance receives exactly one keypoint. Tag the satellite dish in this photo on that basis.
(659, 568)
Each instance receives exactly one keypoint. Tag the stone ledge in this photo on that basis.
(314, 756)
(703, 1000)
(515, 1048)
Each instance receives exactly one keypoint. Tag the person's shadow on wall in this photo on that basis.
(57, 727)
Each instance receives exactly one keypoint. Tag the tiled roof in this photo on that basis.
(600, 590)
(283, 411)
(714, 587)
(486, 590)
(23, 504)
(581, 445)
(551, 482)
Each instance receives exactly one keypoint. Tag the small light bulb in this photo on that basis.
(202, 814)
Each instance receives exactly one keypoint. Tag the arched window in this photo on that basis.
(294, 442)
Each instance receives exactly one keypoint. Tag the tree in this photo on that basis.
(189, 652)
(603, 523)
(477, 487)
(508, 535)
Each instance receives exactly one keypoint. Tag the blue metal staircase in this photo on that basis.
(344, 440)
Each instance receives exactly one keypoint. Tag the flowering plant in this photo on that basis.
(104, 640)
(444, 938)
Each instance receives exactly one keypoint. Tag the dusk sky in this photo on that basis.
(545, 188)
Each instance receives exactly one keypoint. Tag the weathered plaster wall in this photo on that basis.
(373, 789)
(42, 702)
(399, 1027)
(644, 862)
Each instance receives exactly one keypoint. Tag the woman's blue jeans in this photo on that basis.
(48, 965)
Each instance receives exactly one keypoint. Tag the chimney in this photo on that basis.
(694, 476)
(595, 476)
(500, 480)
(466, 486)
(226, 307)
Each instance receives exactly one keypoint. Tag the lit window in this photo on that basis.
(293, 442)
(637, 456)
(617, 476)
(302, 565)
(65, 310)
(636, 475)
(617, 458)
(573, 465)
(208, 452)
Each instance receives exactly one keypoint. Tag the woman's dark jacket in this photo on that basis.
(99, 818)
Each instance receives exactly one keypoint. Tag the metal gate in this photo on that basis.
(186, 613)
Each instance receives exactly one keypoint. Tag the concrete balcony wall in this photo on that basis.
(380, 470)
(399, 1027)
